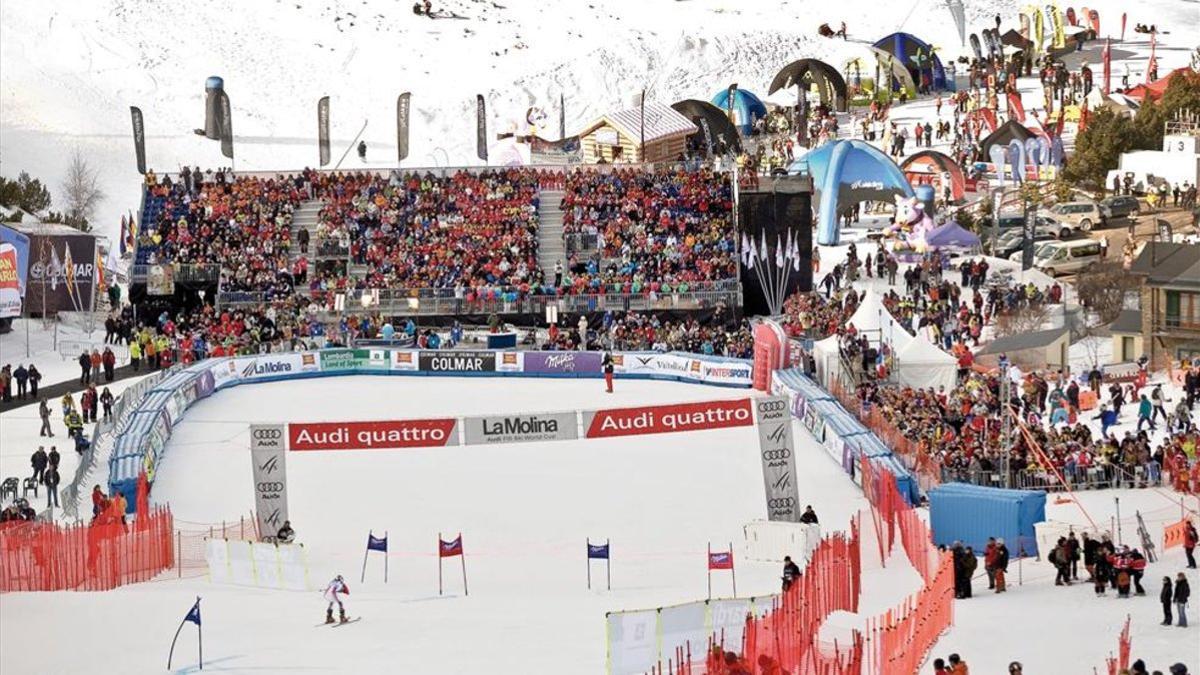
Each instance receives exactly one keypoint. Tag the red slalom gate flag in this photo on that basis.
(720, 560)
(449, 549)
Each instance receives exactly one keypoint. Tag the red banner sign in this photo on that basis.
(372, 435)
(665, 419)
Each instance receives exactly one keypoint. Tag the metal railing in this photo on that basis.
(414, 303)
(193, 273)
(1090, 478)
(576, 242)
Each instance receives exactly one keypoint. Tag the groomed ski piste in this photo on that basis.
(524, 511)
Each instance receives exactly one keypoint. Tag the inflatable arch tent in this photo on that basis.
(847, 172)
(917, 56)
(714, 125)
(928, 166)
(745, 106)
(805, 73)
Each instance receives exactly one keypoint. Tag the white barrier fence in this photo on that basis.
(245, 563)
(640, 640)
(771, 540)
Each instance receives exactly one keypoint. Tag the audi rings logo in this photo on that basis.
(270, 486)
(781, 503)
(782, 453)
(267, 434)
(772, 406)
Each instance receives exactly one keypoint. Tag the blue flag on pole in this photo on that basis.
(193, 614)
(376, 543)
(598, 551)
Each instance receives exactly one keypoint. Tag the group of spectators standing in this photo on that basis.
(26, 379)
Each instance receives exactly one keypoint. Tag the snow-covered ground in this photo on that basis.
(73, 69)
(524, 511)
(54, 348)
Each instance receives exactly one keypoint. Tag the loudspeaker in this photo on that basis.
(780, 208)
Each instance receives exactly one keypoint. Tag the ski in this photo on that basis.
(347, 621)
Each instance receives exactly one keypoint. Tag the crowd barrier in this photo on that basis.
(771, 540)
(37, 556)
(143, 428)
(641, 640)
(842, 435)
(261, 565)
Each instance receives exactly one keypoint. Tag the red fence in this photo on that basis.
(46, 557)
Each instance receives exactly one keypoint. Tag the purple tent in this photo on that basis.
(952, 235)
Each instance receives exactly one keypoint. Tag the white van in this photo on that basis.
(1066, 257)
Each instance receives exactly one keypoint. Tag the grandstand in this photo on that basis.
(440, 244)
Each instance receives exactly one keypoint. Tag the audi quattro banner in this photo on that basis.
(457, 362)
(665, 419)
(426, 433)
(276, 365)
(778, 458)
(268, 456)
(558, 426)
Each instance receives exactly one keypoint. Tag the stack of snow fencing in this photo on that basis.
(839, 432)
(972, 513)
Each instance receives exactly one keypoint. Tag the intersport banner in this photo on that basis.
(426, 433)
(520, 428)
(688, 366)
(665, 419)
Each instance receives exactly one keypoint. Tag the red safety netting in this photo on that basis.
(897, 642)
(108, 553)
(1120, 664)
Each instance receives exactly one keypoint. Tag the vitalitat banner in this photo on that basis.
(226, 126)
(778, 458)
(402, 107)
(139, 138)
(481, 127)
(323, 130)
(268, 453)
(559, 426)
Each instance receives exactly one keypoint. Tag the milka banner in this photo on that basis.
(139, 138)
(402, 108)
(778, 458)
(323, 130)
(268, 453)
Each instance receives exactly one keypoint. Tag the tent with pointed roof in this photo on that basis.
(951, 235)
(920, 364)
(745, 108)
(917, 56)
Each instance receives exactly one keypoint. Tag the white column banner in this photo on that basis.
(778, 458)
(268, 455)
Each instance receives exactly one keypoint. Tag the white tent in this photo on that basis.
(921, 364)
(874, 319)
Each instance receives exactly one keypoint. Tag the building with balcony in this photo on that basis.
(1170, 300)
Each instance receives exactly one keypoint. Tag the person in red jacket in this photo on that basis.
(1190, 538)
(989, 562)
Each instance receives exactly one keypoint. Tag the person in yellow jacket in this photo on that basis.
(135, 354)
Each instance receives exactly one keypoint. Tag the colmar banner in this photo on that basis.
(268, 456)
(457, 362)
(426, 433)
(665, 419)
(778, 458)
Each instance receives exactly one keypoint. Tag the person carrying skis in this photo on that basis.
(333, 594)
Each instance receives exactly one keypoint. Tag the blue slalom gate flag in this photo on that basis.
(193, 614)
(376, 543)
(597, 551)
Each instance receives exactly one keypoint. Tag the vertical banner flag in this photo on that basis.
(375, 544)
(268, 455)
(403, 101)
(323, 130)
(721, 560)
(778, 458)
(481, 147)
(226, 126)
(598, 552)
(1123, 17)
(1150, 68)
(1107, 66)
(139, 138)
(1028, 234)
(562, 117)
(450, 549)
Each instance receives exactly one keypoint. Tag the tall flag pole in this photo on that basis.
(375, 544)
(599, 552)
(450, 549)
(193, 615)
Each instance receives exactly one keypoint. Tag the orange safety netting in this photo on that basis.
(108, 553)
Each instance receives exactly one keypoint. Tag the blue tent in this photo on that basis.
(846, 172)
(917, 56)
(971, 514)
(746, 108)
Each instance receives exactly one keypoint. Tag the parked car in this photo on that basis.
(1011, 240)
(1010, 221)
(1076, 216)
(1067, 257)
(1120, 206)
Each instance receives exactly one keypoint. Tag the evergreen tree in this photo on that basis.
(24, 193)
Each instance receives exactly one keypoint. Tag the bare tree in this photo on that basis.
(81, 192)
(1020, 321)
